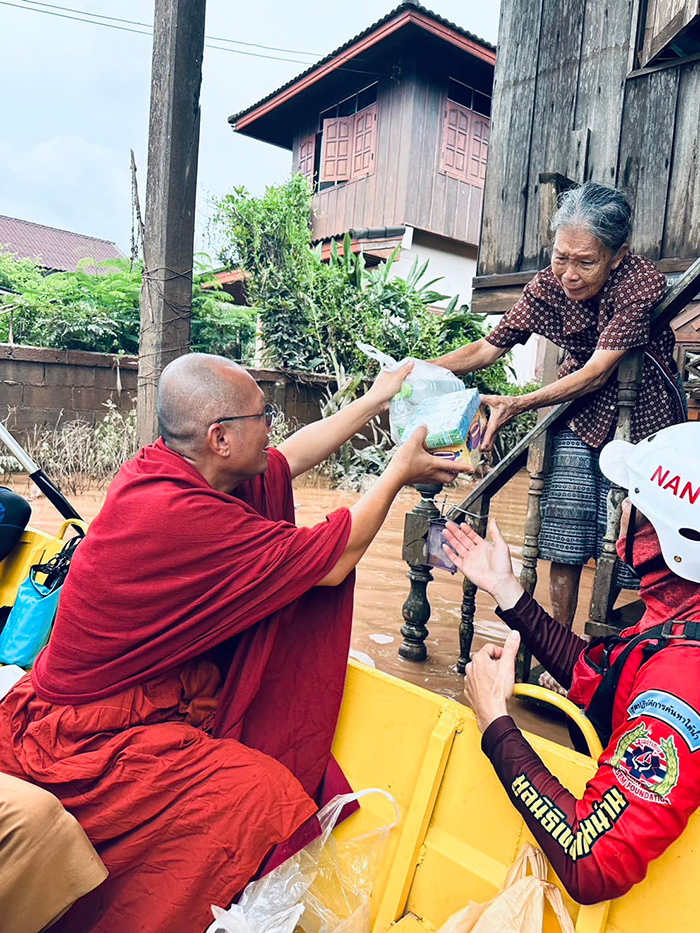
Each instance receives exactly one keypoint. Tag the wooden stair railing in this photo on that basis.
(533, 452)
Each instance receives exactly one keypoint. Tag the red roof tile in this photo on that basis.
(60, 250)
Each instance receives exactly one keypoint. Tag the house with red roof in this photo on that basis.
(53, 249)
(392, 132)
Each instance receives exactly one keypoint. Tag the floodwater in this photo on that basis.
(382, 588)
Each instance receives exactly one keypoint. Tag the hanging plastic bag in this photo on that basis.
(324, 888)
(426, 380)
(29, 623)
(519, 905)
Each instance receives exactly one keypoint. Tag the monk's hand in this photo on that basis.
(502, 409)
(486, 562)
(489, 680)
(414, 464)
(386, 386)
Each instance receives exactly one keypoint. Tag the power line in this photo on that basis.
(23, 6)
(130, 22)
(138, 32)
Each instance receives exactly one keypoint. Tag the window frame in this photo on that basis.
(466, 175)
(650, 51)
(310, 174)
(333, 113)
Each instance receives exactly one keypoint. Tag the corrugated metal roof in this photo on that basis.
(52, 248)
(406, 5)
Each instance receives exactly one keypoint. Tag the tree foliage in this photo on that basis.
(312, 312)
(86, 311)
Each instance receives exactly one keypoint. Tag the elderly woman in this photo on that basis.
(594, 301)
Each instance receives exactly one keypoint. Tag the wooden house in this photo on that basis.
(607, 90)
(392, 131)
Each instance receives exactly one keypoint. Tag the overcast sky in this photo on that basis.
(75, 99)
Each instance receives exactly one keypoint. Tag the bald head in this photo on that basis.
(194, 391)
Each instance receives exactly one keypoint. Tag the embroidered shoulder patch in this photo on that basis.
(669, 709)
(644, 767)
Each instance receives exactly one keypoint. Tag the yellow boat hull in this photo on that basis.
(458, 832)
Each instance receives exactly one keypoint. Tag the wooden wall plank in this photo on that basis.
(449, 223)
(515, 81)
(419, 156)
(608, 30)
(401, 145)
(461, 229)
(682, 227)
(340, 203)
(386, 192)
(555, 101)
(495, 300)
(474, 216)
(645, 154)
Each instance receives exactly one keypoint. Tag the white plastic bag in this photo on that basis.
(426, 380)
(520, 904)
(324, 888)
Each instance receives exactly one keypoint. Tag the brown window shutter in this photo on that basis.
(336, 150)
(456, 137)
(306, 157)
(364, 142)
(478, 149)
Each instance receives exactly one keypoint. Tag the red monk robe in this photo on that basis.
(185, 707)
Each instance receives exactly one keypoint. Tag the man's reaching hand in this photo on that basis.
(486, 562)
(414, 464)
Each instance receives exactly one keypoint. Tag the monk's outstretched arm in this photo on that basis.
(314, 443)
(411, 464)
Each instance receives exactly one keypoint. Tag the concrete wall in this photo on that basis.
(44, 386)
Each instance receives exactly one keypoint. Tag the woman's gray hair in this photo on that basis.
(604, 212)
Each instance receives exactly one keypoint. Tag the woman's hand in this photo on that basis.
(489, 680)
(503, 408)
(486, 562)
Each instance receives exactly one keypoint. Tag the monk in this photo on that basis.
(185, 706)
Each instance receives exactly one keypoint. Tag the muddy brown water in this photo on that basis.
(382, 587)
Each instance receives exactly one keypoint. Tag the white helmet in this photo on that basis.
(662, 474)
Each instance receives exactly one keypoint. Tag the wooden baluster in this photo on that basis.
(629, 375)
(478, 518)
(416, 609)
(537, 466)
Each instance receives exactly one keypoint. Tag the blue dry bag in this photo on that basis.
(28, 625)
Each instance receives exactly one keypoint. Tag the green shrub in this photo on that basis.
(86, 311)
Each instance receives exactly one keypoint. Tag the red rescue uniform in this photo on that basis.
(648, 780)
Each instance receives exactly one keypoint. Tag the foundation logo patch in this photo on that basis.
(671, 710)
(646, 768)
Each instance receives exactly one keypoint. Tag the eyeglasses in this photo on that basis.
(268, 413)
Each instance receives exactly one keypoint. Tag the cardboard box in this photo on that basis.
(456, 423)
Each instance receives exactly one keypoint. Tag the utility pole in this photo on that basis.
(168, 247)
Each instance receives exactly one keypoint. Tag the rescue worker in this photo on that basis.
(640, 689)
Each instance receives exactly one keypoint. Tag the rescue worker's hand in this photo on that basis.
(503, 408)
(489, 680)
(387, 385)
(417, 465)
(486, 562)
